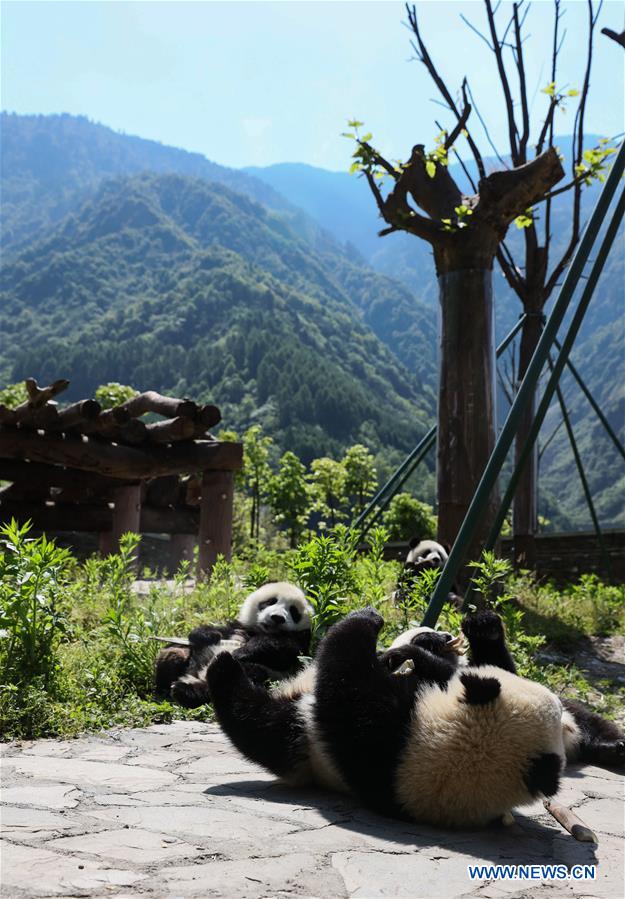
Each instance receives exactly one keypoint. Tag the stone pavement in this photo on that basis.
(172, 810)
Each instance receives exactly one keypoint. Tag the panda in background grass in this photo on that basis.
(588, 738)
(272, 631)
(424, 555)
(433, 743)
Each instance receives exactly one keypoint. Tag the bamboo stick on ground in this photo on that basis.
(570, 822)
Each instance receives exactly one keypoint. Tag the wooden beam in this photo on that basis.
(76, 414)
(170, 430)
(215, 537)
(98, 517)
(39, 396)
(151, 401)
(19, 472)
(120, 461)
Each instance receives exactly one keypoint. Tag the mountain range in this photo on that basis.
(266, 291)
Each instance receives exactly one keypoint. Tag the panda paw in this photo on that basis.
(204, 635)
(368, 616)
(484, 624)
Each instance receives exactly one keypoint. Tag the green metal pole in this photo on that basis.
(426, 445)
(401, 475)
(528, 385)
(565, 349)
(582, 476)
(390, 484)
(606, 424)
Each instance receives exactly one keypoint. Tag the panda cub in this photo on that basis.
(588, 738)
(437, 745)
(272, 630)
(424, 555)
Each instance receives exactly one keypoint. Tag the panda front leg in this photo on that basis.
(487, 640)
(279, 653)
(361, 709)
(265, 728)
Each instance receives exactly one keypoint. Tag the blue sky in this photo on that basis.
(255, 83)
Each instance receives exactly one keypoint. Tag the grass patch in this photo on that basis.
(76, 652)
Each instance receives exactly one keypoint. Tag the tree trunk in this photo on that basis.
(466, 399)
(525, 511)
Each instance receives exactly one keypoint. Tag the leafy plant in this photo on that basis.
(407, 517)
(114, 394)
(13, 395)
(32, 615)
(324, 566)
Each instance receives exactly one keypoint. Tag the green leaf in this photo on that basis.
(572, 93)
(354, 123)
(430, 168)
(549, 90)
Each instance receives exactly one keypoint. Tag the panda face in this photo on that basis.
(277, 607)
(427, 551)
(278, 613)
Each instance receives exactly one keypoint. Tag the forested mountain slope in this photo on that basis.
(123, 279)
(190, 288)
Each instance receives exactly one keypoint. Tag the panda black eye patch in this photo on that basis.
(268, 602)
(295, 614)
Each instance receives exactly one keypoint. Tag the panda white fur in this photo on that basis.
(457, 748)
(426, 550)
(272, 630)
(587, 737)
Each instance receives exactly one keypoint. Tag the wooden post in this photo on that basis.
(126, 517)
(181, 548)
(215, 537)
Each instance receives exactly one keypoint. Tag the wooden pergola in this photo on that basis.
(80, 468)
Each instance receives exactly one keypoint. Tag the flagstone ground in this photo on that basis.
(174, 811)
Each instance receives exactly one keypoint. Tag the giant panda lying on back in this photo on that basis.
(438, 745)
(272, 630)
(588, 738)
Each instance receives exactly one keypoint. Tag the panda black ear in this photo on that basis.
(415, 541)
(446, 547)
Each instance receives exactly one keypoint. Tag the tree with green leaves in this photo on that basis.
(408, 517)
(361, 478)
(289, 495)
(327, 480)
(257, 472)
(114, 394)
(466, 228)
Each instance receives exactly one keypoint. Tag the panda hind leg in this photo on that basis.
(487, 640)
(542, 777)
(265, 728)
(600, 742)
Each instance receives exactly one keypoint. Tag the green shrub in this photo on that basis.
(407, 517)
(32, 613)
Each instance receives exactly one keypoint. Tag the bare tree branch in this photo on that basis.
(503, 77)
(577, 154)
(486, 132)
(426, 59)
(525, 133)
(462, 121)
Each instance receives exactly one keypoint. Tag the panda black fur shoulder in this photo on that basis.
(588, 738)
(437, 745)
(272, 630)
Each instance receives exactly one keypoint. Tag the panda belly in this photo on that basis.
(465, 764)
